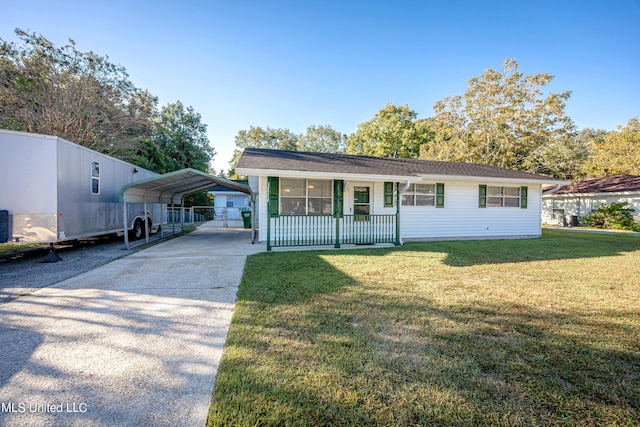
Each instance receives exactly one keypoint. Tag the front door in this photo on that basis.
(361, 202)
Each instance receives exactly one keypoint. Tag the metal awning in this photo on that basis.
(171, 188)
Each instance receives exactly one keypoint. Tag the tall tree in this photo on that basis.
(503, 119)
(257, 137)
(392, 132)
(62, 91)
(321, 139)
(618, 152)
(181, 135)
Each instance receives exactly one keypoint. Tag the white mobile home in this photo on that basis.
(55, 190)
(334, 199)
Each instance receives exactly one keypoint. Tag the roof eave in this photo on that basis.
(495, 179)
(324, 175)
(382, 177)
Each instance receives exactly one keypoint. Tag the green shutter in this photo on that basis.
(338, 197)
(274, 193)
(440, 195)
(523, 197)
(388, 194)
(482, 200)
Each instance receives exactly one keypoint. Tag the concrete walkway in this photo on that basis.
(135, 342)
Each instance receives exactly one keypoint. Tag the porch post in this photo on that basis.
(397, 243)
(338, 207)
(337, 217)
(268, 221)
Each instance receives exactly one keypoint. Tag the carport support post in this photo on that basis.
(126, 225)
(182, 213)
(146, 221)
(173, 217)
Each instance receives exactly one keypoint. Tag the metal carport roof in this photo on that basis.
(170, 188)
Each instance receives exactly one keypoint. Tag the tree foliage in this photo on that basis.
(321, 139)
(79, 96)
(182, 136)
(503, 119)
(617, 151)
(394, 131)
(86, 99)
(317, 138)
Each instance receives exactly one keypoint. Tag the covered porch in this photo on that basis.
(344, 213)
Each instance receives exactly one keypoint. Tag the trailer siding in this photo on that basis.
(47, 189)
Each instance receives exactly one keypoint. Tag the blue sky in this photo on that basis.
(291, 64)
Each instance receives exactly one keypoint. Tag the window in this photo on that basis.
(237, 201)
(95, 178)
(558, 209)
(503, 197)
(419, 195)
(319, 197)
(305, 196)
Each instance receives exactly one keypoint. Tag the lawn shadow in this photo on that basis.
(372, 359)
(289, 277)
(553, 245)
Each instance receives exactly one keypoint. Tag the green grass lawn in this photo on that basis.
(514, 332)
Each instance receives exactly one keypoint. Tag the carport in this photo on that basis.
(171, 189)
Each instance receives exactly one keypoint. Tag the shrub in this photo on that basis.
(614, 216)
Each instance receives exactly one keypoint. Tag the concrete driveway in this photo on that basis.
(135, 342)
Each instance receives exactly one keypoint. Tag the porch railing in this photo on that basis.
(320, 230)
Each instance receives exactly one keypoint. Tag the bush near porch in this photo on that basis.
(512, 332)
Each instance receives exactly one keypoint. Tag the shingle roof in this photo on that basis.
(268, 159)
(607, 184)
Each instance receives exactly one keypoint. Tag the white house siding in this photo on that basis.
(582, 205)
(220, 203)
(462, 218)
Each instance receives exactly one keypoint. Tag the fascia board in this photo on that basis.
(324, 175)
(490, 179)
(395, 178)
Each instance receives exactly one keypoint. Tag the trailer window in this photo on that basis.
(95, 178)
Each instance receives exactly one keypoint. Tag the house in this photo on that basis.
(582, 197)
(334, 199)
(229, 201)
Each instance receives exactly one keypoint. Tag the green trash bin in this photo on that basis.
(246, 219)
